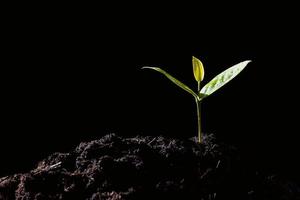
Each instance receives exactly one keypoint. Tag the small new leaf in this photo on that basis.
(174, 80)
(223, 78)
(198, 69)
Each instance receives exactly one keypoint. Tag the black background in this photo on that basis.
(73, 73)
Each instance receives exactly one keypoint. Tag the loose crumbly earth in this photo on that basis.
(116, 168)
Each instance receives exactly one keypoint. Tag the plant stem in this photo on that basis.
(199, 119)
(199, 115)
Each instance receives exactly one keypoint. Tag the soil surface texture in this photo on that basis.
(137, 168)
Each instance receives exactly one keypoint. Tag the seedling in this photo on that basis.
(212, 86)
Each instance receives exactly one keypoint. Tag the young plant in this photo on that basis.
(212, 86)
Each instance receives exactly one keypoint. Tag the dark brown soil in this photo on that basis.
(115, 168)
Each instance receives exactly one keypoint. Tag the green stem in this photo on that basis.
(199, 115)
(199, 120)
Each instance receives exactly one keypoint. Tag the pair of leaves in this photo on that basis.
(212, 86)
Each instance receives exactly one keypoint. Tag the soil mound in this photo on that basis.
(117, 168)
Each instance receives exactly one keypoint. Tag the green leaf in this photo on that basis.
(174, 80)
(223, 78)
(198, 69)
